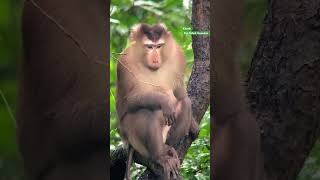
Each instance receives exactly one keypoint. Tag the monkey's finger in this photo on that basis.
(170, 168)
(177, 164)
(173, 119)
(174, 173)
(167, 172)
(167, 120)
(177, 168)
(170, 121)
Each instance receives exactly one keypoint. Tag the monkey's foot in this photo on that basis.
(170, 151)
(170, 167)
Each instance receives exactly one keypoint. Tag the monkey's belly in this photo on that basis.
(165, 131)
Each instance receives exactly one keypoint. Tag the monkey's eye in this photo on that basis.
(149, 46)
(159, 45)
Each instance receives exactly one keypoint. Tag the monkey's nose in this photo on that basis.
(155, 61)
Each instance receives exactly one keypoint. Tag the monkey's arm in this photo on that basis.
(151, 100)
(182, 96)
(180, 93)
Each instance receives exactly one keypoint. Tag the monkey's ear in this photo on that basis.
(163, 26)
(167, 33)
(135, 31)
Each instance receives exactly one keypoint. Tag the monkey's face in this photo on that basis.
(151, 40)
(153, 53)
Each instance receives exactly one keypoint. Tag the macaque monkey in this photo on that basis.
(236, 138)
(151, 97)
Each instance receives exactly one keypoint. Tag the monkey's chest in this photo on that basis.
(165, 80)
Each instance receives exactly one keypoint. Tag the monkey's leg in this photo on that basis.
(185, 123)
(143, 131)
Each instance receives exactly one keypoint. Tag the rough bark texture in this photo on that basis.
(199, 83)
(284, 85)
(198, 87)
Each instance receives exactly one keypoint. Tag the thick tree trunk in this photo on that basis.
(284, 85)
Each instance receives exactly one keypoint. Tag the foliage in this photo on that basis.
(311, 170)
(196, 164)
(10, 53)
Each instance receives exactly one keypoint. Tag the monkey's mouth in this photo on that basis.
(154, 65)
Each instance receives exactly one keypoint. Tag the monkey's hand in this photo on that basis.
(169, 111)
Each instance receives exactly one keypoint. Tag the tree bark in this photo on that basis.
(284, 85)
(198, 87)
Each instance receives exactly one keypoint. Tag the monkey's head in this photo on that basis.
(152, 40)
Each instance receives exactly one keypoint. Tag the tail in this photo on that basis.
(129, 161)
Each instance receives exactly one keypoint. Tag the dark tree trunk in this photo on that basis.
(198, 87)
(284, 85)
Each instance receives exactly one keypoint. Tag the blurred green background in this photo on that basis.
(10, 53)
(176, 15)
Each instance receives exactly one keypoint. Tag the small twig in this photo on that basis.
(7, 106)
(101, 62)
(67, 33)
(132, 73)
(114, 58)
(124, 66)
(112, 95)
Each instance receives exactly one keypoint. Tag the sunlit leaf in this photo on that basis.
(114, 21)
